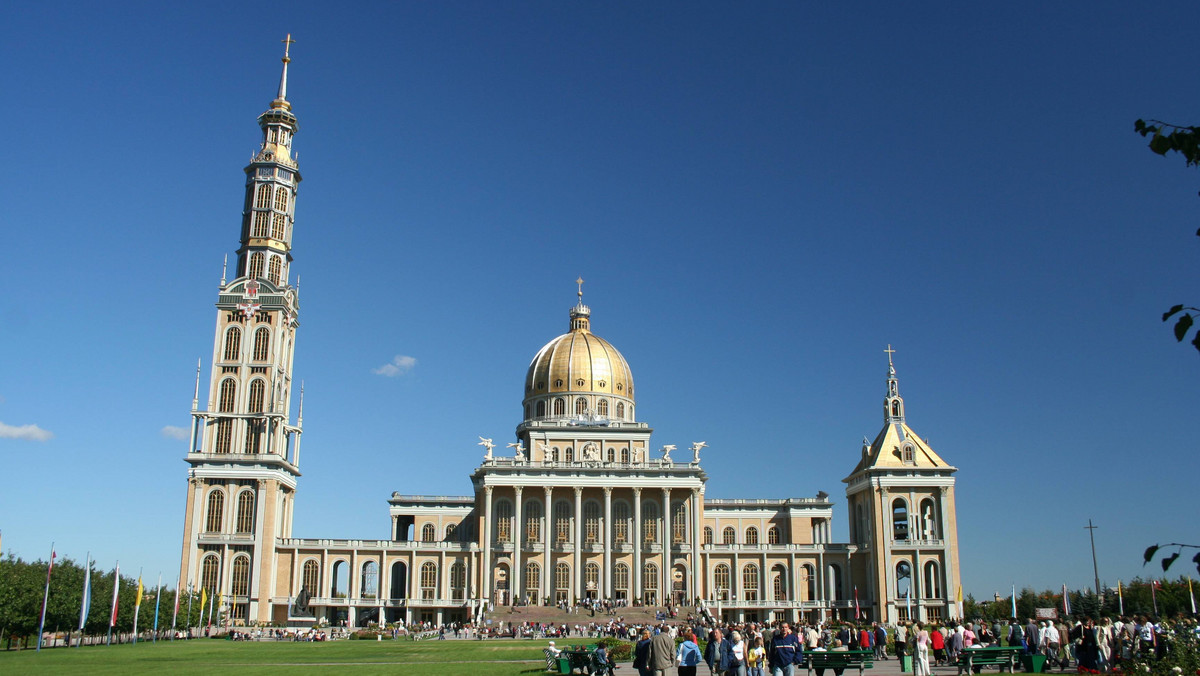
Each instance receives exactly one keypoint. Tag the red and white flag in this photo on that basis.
(112, 621)
(857, 610)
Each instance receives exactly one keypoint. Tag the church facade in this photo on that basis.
(580, 505)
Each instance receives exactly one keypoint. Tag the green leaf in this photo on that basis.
(1166, 562)
(1175, 309)
(1150, 552)
(1160, 144)
(1182, 326)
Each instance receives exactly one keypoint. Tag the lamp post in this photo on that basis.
(1095, 569)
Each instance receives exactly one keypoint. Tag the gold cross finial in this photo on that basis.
(287, 46)
(580, 283)
(890, 352)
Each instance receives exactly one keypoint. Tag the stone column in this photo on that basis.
(947, 567)
(664, 593)
(577, 574)
(547, 562)
(693, 580)
(485, 569)
(608, 531)
(517, 580)
(637, 544)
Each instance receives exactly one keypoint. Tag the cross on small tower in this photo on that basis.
(890, 352)
(580, 283)
(287, 46)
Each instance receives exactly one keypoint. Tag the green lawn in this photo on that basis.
(209, 656)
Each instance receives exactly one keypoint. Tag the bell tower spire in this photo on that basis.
(893, 403)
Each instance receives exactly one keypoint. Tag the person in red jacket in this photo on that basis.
(939, 647)
(864, 639)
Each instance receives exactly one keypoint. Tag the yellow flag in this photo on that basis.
(138, 602)
(203, 599)
(960, 593)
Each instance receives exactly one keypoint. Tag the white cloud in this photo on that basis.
(173, 432)
(24, 432)
(399, 365)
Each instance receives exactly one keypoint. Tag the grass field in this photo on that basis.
(208, 656)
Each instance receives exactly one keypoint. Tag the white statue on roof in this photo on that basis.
(696, 451)
(487, 443)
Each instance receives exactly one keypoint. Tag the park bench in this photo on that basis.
(839, 660)
(972, 659)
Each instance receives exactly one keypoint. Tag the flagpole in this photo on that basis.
(175, 614)
(45, 599)
(157, 600)
(86, 605)
(112, 620)
(137, 605)
(189, 615)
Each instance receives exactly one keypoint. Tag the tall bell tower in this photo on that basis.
(244, 451)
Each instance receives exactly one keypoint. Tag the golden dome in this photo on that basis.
(579, 375)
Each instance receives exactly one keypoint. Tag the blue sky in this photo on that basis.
(760, 197)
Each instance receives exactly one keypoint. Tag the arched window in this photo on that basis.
(560, 406)
(833, 579)
(620, 410)
(533, 521)
(274, 269)
(933, 581)
(903, 580)
(906, 453)
(210, 573)
(721, 581)
(541, 409)
(649, 522)
(810, 576)
(679, 523)
(533, 577)
(773, 535)
(751, 535)
(228, 395)
(311, 579)
(262, 344)
(339, 586)
(624, 456)
(450, 529)
(621, 581)
(591, 522)
(428, 533)
(580, 406)
(777, 585)
(612, 454)
(708, 535)
(650, 577)
(428, 580)
(591, 577)
(562, 580)
(750, 582)
(458, 581)
(602, 408)
(554, 454)
(899, 519)
(261, 219)
(621, 522)
(216, 512)
(255, 405)
(258, 390)
(728, 536)
(257, 261)
(562, 521)
(369, 583)
(569, 455)
(278, 226)
(929, 525)
(264, 196)
(504, 517)
(245, 515)
(233, 344)
(281, 198)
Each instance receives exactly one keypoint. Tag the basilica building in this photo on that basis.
(579, 505)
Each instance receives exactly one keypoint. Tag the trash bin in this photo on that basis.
(906, 664)
(564, 665)
(1034, 664)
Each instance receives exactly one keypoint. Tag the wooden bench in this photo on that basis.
(974, 658)
(839, 660)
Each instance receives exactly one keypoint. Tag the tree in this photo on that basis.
(1166, 138)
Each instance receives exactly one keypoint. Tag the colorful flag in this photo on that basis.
(137, 605)
(45, 598)
(857, 610)
(1191, 595)
(1120, 598)
(203, 602)
(908, 603)
(112, 621)
(961, 610)
(1154, 595)
(1066, 601)
(1014, 600)
(175, 615)
(157, 600)
(86, 606)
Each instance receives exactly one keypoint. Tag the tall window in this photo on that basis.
(261, 218)
(773, 535)
(903, 580)
(504, 517)
(245, 517)
(533, 521)
(428, 581)
(264, 196)
(621, 522)
(933, 582)
(240, 584)
(929, 529)
(562, 521)
(750, 582)
(233, 343)
(622, 580)
(533, 577)
(580, 406)
(210, 573)
(591, 522)
(257, 260)
(278, 226)
(562, 581)
(721, 581)
(751, 535)
(216, 512)
(560, 406)
(262, 344)
(602, 408)
(708, 535)
(428, 533)
(224, 435)
(275, 268)
(450, 528)
(728, 536)
(541, 409)
(569, 455)
(458, 581)
(650, 578)
(679, 523)
(369, 584)
(899, 519)
(777, 587)
(312, 576)
(591, 577)
(612, 454)
(649, 523)
(620, 411)
(281, 198)
(254, 427)
(258, 390)
(624, 456)
(810, 574)
(228, 395)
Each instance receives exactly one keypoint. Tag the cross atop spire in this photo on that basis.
(580, 313)
(580, 283)
(890, 352)
(282, 97)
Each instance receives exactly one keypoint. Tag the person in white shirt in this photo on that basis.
(1050, 642)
